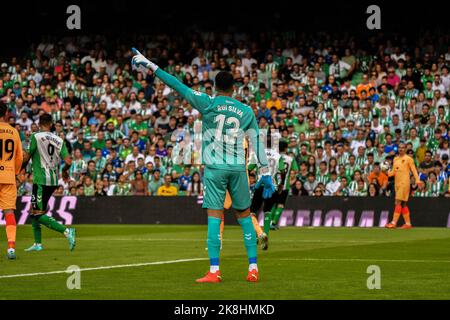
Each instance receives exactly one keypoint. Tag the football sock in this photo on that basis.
(214, 243)
(11, 230)
(249, 238)
(397, 212)
(252, 266)
(272, 213)
(256, 225)
(37, 232)
(267, 220)
(278, 212)
(51, 223)
(405, 214)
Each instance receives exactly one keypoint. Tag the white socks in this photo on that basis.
(252, 266)
(213, 269)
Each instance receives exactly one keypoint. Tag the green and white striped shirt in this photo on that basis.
(46, 150)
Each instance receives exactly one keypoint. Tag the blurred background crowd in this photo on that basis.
(342, 105)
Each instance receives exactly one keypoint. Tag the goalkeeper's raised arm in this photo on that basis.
(198, 100)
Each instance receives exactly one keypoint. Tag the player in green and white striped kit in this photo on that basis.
(273, 159)
(282, 180)
(46, 150)
(280, 166)
(226, 122)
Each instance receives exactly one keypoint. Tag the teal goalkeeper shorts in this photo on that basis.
(216, 182)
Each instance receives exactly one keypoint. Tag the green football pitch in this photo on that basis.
(162, 262)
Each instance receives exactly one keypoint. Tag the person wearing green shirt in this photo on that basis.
(139, 125)
(112, 133)
(286, 165)
(46, 150)
(300, 125)
(125, 149)
(88, 187)
(155, 182)
(290, 120)
(123, 187)
(225, 123)
(433, 142)
(413, 139)
(100, 142)
(262, 93)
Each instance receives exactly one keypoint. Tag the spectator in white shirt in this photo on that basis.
(438, 85)
(338, 68)
(333, 186)
(24, 122)
(35, 76)
(248, 60)
(134, 103)
(445, 77)
(114, 103)
(134, 156)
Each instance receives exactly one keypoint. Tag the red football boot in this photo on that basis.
(390, 225)
(211, 277)
(253, 276)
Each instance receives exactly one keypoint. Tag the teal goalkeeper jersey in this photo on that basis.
(226, 122)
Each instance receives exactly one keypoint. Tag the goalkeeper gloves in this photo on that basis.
(141, 63)
(266, 182)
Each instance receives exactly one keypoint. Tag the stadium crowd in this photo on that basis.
(343, 106)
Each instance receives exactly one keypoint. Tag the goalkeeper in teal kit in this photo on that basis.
(226, 122)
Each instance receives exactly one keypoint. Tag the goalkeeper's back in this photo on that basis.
(225, 123)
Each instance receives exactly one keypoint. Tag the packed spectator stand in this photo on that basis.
(343, 106)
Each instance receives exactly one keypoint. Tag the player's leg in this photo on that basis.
(240, 194)
(215, 185)
(248, 231)
(8, 199)
(40, 198)
(264, 238)
(261, 237)
(406, 216)
(37, 234)
(255, 205)
(400, 189)
(272, 213)
(280, 201)
(259, 231)
(222, 227)
(227, 205)
(35, 225)
(397, 213)
(11, 229)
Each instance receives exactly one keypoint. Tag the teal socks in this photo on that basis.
(214, 241)
(249, 238)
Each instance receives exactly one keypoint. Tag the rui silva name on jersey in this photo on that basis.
(230, 109)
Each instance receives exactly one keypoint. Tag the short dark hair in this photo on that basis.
(45, 120)
(282, 146)
(224, 81)
(3, 109)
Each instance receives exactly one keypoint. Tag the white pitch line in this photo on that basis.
(363, 260)
(134, 265)
(230, 240)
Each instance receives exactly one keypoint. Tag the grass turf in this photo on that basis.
(302, 263)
